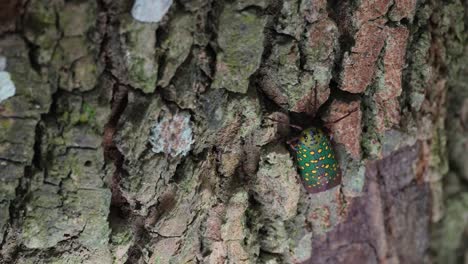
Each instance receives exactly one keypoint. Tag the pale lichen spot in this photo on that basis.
(172, 135)
(7, 87)
(150, 10)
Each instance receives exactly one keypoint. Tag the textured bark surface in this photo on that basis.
(132, 142)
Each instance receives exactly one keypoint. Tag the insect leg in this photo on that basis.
(282, 122)
(293, 143)
(343, 117)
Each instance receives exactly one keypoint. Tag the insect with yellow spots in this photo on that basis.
(315, 157)
(313, 146)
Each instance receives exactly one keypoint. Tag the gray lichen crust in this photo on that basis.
(138, 41)
(241, 46)
(172, 135)
(59, 155)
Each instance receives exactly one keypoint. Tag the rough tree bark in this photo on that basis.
(132, 142)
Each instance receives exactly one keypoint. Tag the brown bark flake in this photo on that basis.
(359, 67)
(394, 60)
(371, 10)
(344, 121)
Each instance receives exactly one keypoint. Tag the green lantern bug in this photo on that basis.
(316, 160)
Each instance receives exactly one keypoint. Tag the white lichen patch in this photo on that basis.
(150, 10)
(7, 87)
(172, 135)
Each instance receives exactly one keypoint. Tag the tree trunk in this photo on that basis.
(139, 133)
